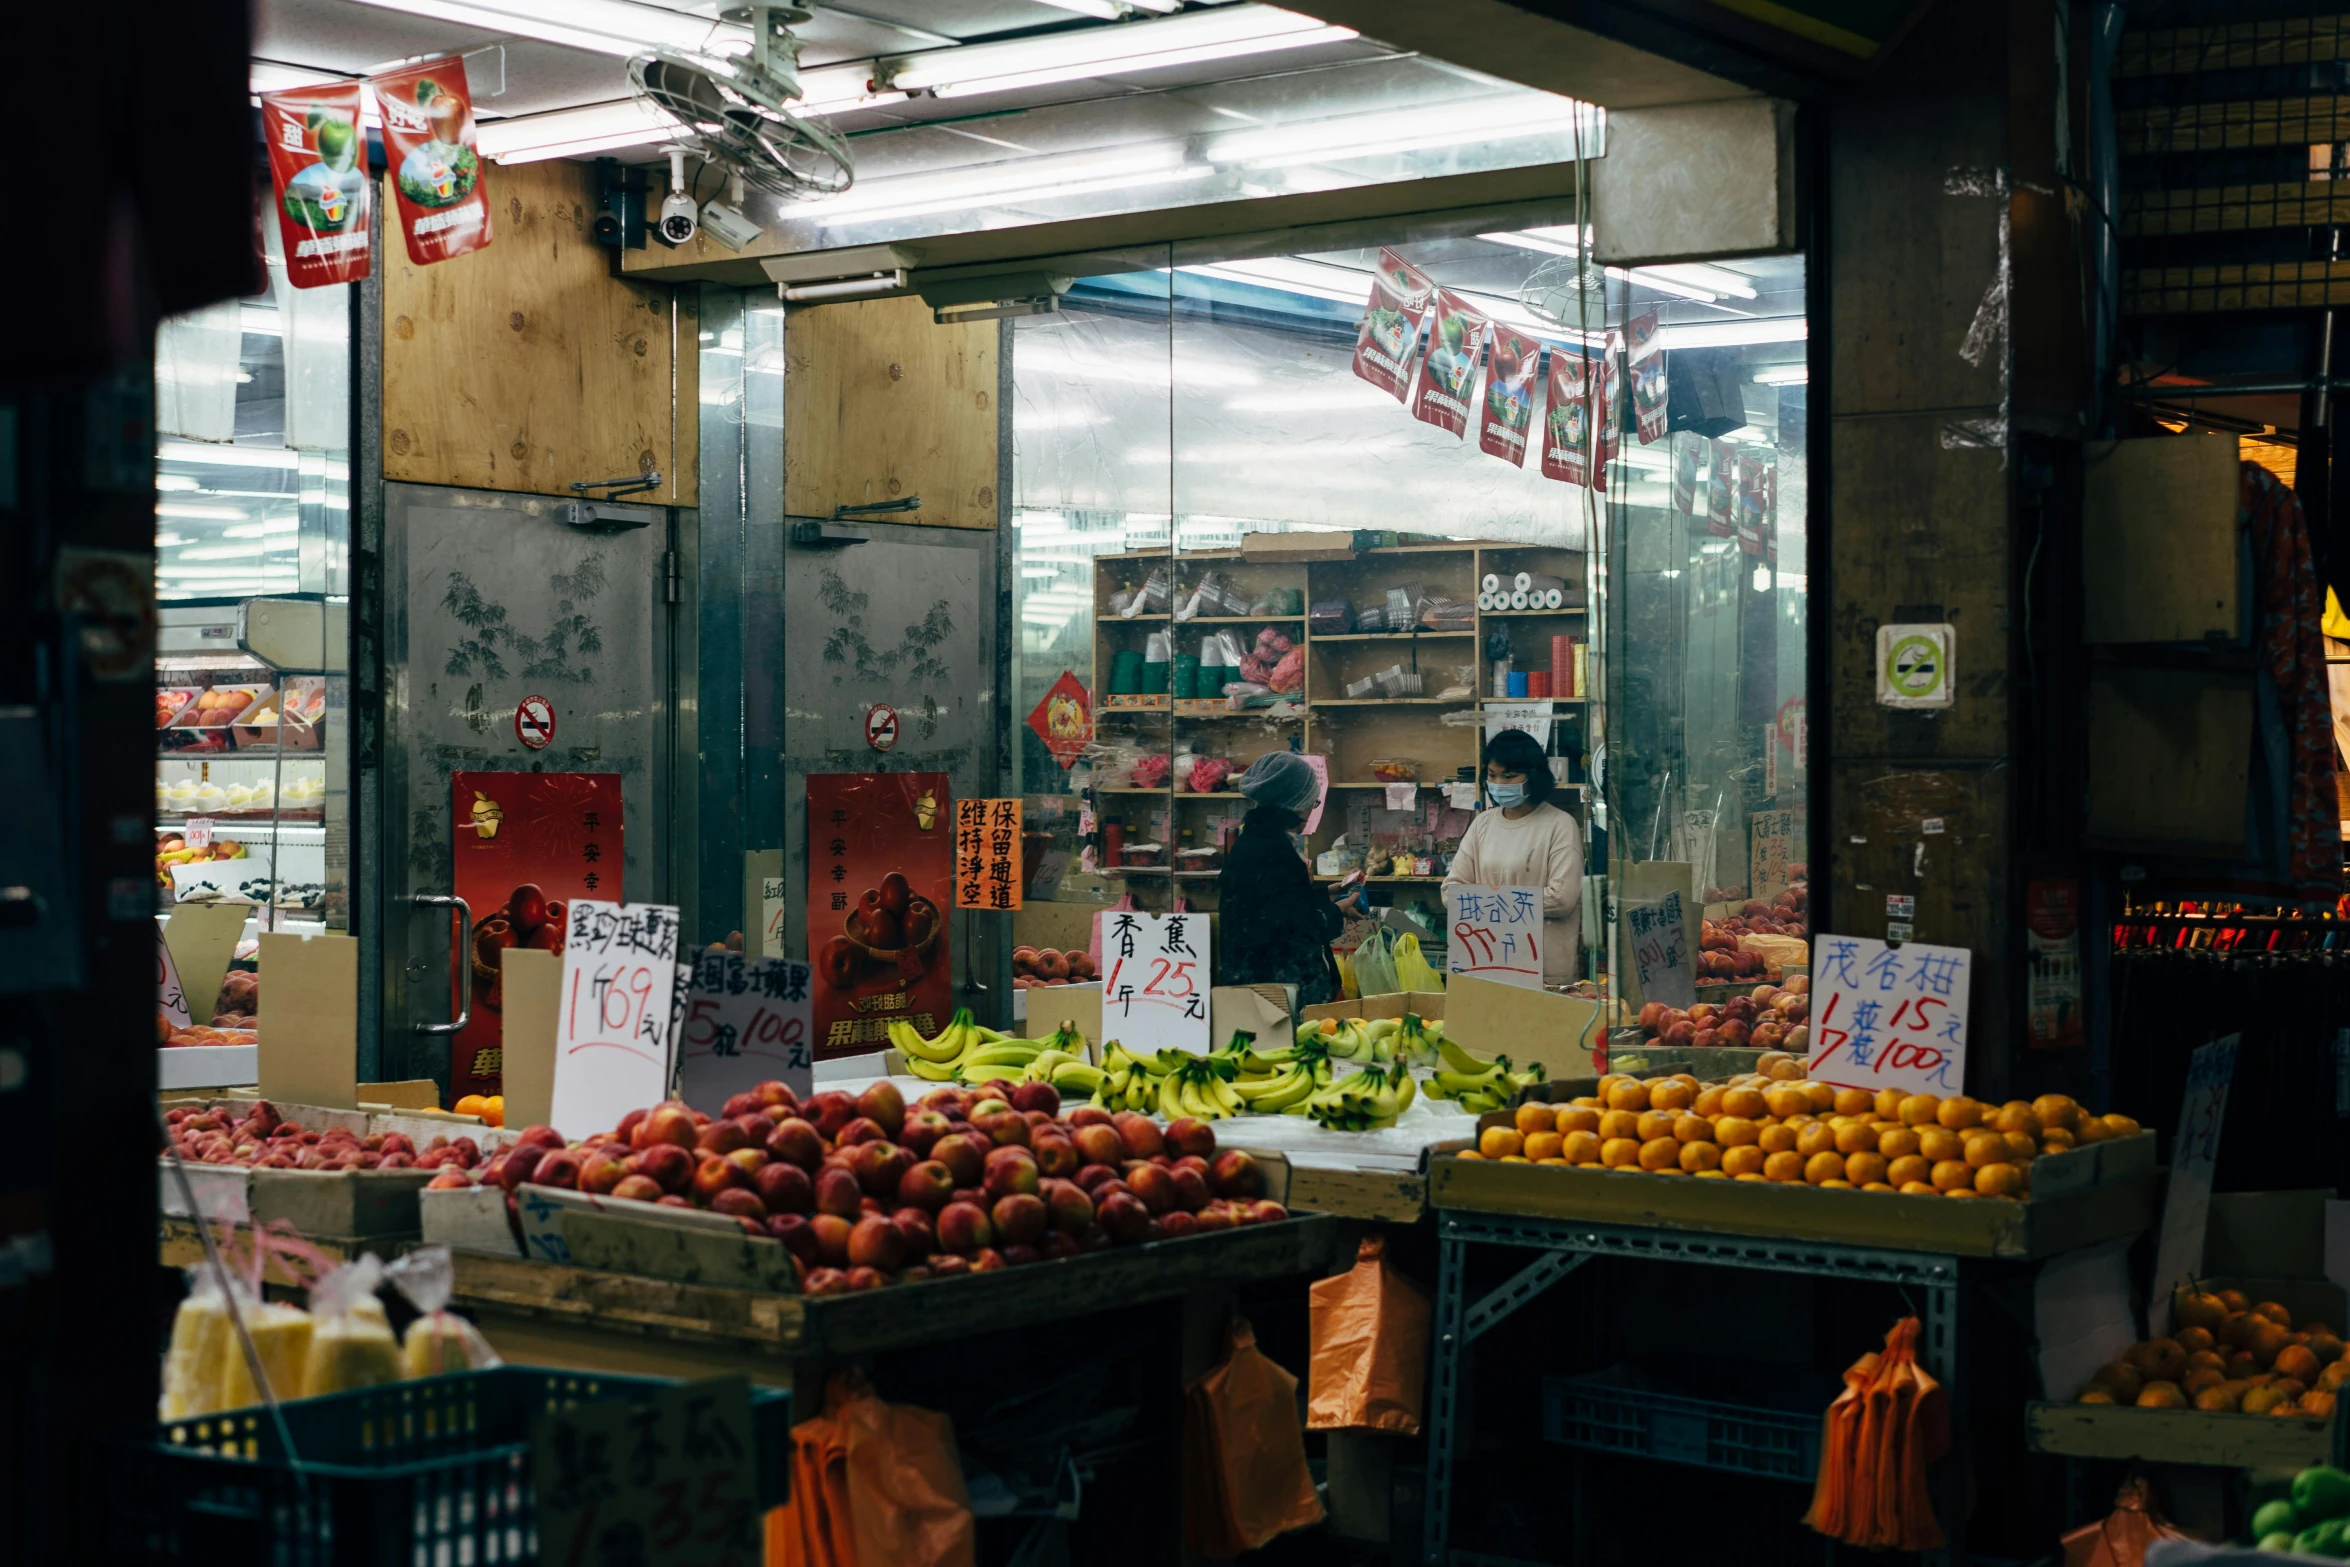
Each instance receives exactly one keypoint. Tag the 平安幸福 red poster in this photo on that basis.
(881, 876)
(526, 845)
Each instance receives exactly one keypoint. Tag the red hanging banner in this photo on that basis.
(1509, 396)
(1566, 425)
(881, 877)
(1448, 372)
(1391, 325)
(436, 174)
(318, 181)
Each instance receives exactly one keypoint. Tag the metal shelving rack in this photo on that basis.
(1564, 1247)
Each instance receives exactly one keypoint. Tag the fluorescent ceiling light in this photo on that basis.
(1082, 53)
(1737, 334)
(194, 512)
(1696, 274)
(164, 541)
(1783, 375)
(1107, 10)
(229, 456)
(615, 27)
(950, 190)
(174, 481)
(227, 551)
(1509, 118)
(1346, 394)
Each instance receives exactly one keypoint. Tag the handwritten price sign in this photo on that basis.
(2186, 1209)
(616, 1018)
(1660, 950)
(671, 1478)
(746, 1023)
(1155, 995)
(168, 994)
(1885, 1017)
(1494, 933)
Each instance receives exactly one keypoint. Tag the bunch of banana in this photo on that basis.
(1478, 1085)
(1366, 1101)
(1062, 1064)
(1196, 1086)
(964, 1052)
(1420, 1041)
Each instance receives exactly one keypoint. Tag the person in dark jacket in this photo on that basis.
(1277, 925)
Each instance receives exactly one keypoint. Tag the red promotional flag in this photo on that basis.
(1509, 396)
(318, 177)
(1448, 375)
(1649, 394)
(1721, 491)
(436, 175)
(1391, 325)
(1566, 427)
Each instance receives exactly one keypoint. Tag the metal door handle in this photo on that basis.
(436, 900)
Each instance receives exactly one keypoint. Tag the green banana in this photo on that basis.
(1077, 1077)
(1460, 1060)
(946, 1048)
(931, 1071)
(1004, 1052)
(978, 1072)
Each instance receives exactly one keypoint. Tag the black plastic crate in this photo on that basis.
(429, 1473)
(1621, 1410)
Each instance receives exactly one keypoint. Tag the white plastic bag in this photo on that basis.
(351, 1343)
(439, 1341)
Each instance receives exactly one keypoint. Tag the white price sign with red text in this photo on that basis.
(168, 995)
(614, 1020)
(1494, 933)
(1155, 982)
(1889, 1017)
(746, 1023)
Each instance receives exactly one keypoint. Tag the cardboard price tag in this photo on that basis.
(614, 1024)
(168, 994)
(1155, 992)
(1495, 933)
(1660, 950)
(671, 1478)
(747, 1021)
(2186, 1208)
(1883, 1017)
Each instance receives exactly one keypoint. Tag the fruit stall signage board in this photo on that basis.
(1772, 835)
(2194, 1149)
(1887, 1017)
(987, 854)
(1660, 950)
(1495, 933)
(523, 846)
(1155, 982)
(671, 1478)
(168, 994)
(746, 1022)
(881, 878)
(613, 1023)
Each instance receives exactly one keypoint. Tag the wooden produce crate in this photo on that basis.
(2183, 1436)
(1388, 1196)
(318, 1205)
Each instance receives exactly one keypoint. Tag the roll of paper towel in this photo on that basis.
(1554, 598)
(1535, 582)
(1491, 584)
(1520, 599)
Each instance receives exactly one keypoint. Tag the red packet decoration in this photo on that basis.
(1508, 409)
(1448, 375)
(1063, 720)
(436, 174)
(1645, 341)
(318, 178)
(1391, 324)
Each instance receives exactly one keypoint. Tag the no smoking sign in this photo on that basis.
(1914, 665)
(881, 726)
(534, 722)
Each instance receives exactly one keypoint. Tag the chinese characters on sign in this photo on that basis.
(881, 874)
(613, 1024)
(1063, 720)
(670, 1478)
(168, 995)
(1660, 949)
(746, 1023)
(2178, 1253)
(987, 854)
(1883, 1017)
(1496, 933)
(1155, 986)
(1774, 850)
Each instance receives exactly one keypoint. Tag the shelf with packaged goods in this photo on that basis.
(1389, 701)
(1521, 701)
(1385, 881)
(1402, 638)
(283, 830)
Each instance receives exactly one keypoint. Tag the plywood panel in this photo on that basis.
(880, 403)
(2158, 540)
(2170, 757)
(528, 366)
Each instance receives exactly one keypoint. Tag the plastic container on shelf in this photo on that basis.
(1620, 1411)
(1394, 770)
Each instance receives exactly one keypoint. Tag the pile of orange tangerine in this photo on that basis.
(2228, 1356)
(1759, 1128)
(491, 1108)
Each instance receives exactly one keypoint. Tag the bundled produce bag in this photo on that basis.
(1349, 987)
(812, 1529)
(2121, 1537)
(1412, 971)
(282, 1336)
(873, 1483)
(1888, 1424)
(1244, 1454)
(1375, 963)
(201, 1337)
(438, 1341)
(351, 1343)
(1370, 1348)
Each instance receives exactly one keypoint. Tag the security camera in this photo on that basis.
(725, 222)
(680, 219)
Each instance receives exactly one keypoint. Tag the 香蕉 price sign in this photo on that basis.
(1155, 982)
(1889, 1017)
(746, 1023)
(614, 1017)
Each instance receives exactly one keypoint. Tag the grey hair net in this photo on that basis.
(1282, 780)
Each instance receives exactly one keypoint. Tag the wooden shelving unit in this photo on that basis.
(1351, 731)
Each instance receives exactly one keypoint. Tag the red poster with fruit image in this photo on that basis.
(318, 181)
(881, 876)
(525, 845)
(436, 173)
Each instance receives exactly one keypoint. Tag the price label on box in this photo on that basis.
(671, 1478)
(614, 1023)
(746, 1023)
(1660, 950)
(1494, 933)
(1886, 1018)
(1155, 989)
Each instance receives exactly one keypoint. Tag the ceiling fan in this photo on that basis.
(736, 108)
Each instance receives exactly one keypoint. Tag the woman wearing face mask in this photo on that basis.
(1276, 925)
(1526, 841)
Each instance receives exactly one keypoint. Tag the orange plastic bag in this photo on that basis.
(2120, 1539)
(1889, 1423)
(1370, 1348)
(1245, 1476)
(908, 1506)
(812, 1529)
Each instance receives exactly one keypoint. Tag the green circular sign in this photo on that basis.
(1914, 667)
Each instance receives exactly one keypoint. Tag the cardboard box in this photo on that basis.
(1394, 1003)
(467, 1218)
(2184, 1436)
(616, 1235)
(1567, 1035)
(2267, 1234)
(309, 1032)
(179, 1068)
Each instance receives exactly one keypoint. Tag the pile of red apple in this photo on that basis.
(260, 1140)
(1036, 966)
(864, 1192)
(1770, 1018)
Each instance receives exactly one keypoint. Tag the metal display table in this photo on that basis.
(1563, 1246)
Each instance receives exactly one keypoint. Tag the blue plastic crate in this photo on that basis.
(1621, 1411)
(430, 1473)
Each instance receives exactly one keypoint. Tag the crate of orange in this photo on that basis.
(1775, 1155)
